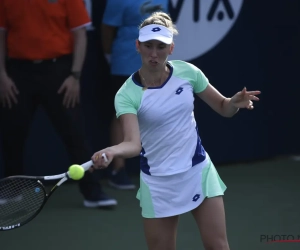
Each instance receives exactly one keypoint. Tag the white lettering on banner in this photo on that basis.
(88, 6)
(202, 24)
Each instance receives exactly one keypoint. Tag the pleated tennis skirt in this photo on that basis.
(165, 196)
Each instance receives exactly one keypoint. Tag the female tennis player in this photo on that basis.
(155, 106)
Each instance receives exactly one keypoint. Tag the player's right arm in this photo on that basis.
(127, 103)
(128, 148)
(131, 145)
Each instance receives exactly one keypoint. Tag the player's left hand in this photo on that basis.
(71, 88)
(244, 99)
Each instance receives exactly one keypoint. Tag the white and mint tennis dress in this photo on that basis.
(176, 172)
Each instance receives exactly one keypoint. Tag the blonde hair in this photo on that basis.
(160, 18)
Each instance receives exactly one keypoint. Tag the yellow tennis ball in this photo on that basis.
(76, 172)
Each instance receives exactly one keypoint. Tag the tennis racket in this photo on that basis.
(22, 198)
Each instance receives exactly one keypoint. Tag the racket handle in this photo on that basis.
(104, 157)
(89, 164)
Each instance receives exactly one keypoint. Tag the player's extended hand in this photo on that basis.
(244, 98)
(71, 88)
(99, 161)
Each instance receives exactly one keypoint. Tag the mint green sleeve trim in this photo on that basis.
(128, 99)
(190, 73)
(201, 82)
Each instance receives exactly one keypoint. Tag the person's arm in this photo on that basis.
(3, 32)
(131, 145)
(108, 34)
(113, 17)
(128, 148)
(80, 42)
(77, 21)
(228, 107)
(210, 95)
(71, 86)
(8, 89)
(2, 51)
(218, 102)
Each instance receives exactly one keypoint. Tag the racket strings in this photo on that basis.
(20, 199)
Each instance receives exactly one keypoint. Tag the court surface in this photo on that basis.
(262, 200)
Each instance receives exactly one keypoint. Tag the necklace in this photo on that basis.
(153, 83)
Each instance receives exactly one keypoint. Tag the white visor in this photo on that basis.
(156, 32)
